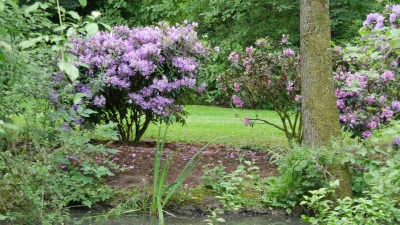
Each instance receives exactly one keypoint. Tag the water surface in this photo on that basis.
(145, 219)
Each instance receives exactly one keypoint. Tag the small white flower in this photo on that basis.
(96, 14)
(1, 122)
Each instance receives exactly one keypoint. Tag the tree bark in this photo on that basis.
(319, 111)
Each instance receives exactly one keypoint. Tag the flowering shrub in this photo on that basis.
(262, 74)
(139, 75)
(366, 91)
(363, 106)
(377, 84)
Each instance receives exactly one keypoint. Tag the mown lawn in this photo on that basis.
(205, 123)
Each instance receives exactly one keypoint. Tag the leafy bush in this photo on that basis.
(264, 74)
(44, 166)
(40, 177)
(137, 76)
(373, 208)
(300, 170)
(229, 188)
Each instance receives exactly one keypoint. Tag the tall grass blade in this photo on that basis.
(194, 160)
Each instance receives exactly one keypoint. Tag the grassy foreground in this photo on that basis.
(205, 123)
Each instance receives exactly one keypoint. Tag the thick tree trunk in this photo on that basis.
(319, 111)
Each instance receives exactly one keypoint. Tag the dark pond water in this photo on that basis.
(144, 219)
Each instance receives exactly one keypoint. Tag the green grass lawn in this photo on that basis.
(205, 123)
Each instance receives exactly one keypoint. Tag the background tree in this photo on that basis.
(320, 115)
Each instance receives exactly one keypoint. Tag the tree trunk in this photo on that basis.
(319, 111)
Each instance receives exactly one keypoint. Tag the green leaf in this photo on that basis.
(5, 45)
(220, 220)
(57, 47)
(83, 3)
(394, 43)
(2, 7)
(2, 217)
(60, 28)
(393, 174)
(3, 30)
(30, 42)
(390, 163)
(364, 32)
(91, 29)
(89, 111)
(74, 15)
(82, 64)
(108, 27)
(71, 31)
(31, 8)
(56, 39)
(85, 179)
(69, 69)
(12, 4)
(78, 97)
(374, 55)
(72, 72)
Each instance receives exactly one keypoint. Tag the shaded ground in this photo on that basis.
(138, 162)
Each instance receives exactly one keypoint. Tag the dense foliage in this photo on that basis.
(43, 167)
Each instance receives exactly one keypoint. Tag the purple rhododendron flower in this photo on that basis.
(237, 101)
(261, 42)
(396, 141)
(288, 52)
(386, 113)
(202, 87)
(237, 86)
(250, 49)
(392, 17)
(396, 106)
(340, 103)
(65, 126)
(387, 76)
(247, 64)
(246, 121)
(297, 98)
(284, 38)
(396, 9)
(99, 101)
(366, 134)
(54, 97)
(233, 57)
(369, 100)
(395, 64)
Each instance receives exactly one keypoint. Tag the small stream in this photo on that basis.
(146, 219)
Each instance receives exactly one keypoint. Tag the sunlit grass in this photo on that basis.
(205, 123)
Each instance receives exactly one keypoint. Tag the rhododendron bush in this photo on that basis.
(137, 76)
(366, 79)
(262, 74)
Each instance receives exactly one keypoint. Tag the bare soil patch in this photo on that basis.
(139, 160)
